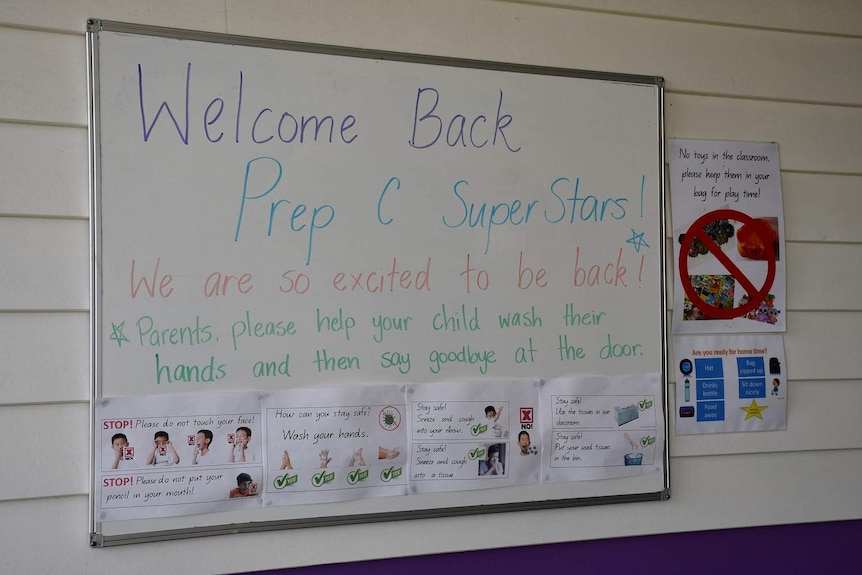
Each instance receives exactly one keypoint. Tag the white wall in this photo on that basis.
(777, 70)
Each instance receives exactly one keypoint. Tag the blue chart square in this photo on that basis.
(750, 367)
(752, 387)
(710, 411)
(706, 368)
(709, 389)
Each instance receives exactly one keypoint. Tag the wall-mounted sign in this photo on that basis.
(728, 232)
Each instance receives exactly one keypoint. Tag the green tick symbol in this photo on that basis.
(644, 404)
(356, 476)
(285, 480)
(322, 478)
(478, 428)
(477, 453)
(389, 474)
(648, 440)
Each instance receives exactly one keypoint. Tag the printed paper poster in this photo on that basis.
(168, 455)
(473, 435)
(730, 383)
(173, 455)
(728, 237)
(602, 427)
(335, 444)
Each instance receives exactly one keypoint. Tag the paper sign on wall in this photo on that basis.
(602, 427)
(728, 231)
(178, 455)
(335, 444)
(164, 456)
(464, 435)
(730, 383)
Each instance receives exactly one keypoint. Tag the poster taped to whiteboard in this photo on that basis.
(329, 444)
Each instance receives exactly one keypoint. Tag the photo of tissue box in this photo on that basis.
(625, 414)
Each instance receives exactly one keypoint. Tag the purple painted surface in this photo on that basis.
(811, 548)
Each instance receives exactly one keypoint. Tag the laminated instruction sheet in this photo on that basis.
(171, 455)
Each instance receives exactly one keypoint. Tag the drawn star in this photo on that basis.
(753, 410)
(117, 334)
(637, 240)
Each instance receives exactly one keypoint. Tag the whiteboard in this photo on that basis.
(269, 215)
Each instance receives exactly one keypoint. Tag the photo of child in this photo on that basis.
(124, 455)
(494, 463)
(163, 452)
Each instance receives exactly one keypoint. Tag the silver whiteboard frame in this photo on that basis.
(94, 27)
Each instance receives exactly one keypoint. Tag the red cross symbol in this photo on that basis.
(526, 415)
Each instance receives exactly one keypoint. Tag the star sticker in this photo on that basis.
(637, 240)
(753, 410)
(117, 334)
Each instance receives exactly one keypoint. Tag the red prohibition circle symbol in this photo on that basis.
(756, 295)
